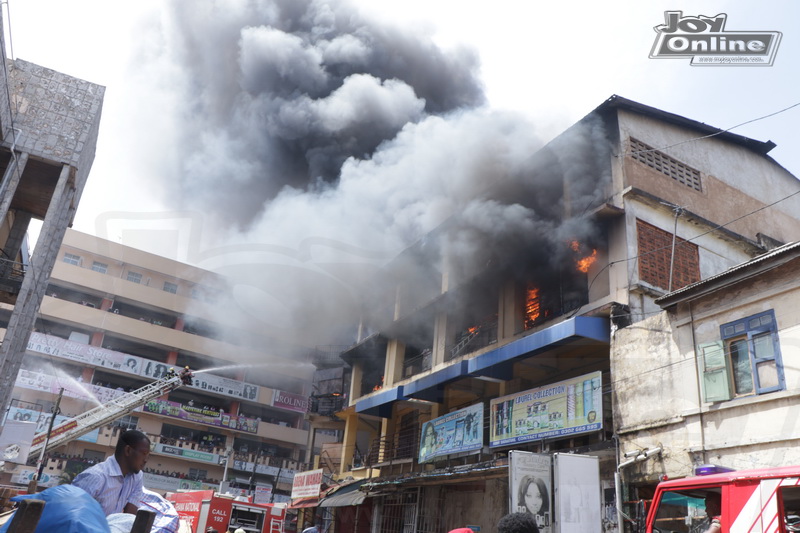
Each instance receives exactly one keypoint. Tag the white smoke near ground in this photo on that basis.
(321, 144)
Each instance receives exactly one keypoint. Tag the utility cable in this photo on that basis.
(720, 132)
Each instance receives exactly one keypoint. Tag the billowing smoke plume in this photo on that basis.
(330, 143)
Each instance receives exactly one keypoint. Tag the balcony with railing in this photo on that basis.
(399, 447)
(416, 364)
(326, 404)
(11, 275)
(474, 337)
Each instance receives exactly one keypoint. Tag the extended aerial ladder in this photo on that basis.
(110, 411)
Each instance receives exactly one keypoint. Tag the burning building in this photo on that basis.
(505, 314)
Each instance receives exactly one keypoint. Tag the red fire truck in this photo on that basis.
(747, 501)
(203, 508)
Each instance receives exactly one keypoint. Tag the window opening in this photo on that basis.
(72, 259)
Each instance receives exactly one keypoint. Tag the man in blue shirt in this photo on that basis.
(116, 483)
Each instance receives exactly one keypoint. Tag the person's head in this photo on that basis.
(239, 530)
(533, 495)
(133, 449)
(430, 435)
(517, 523)
(713, 504)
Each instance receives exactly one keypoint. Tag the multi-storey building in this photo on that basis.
(113, 320)
(498, 338)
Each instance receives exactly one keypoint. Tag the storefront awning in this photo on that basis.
(380, 403)
(303, 503)
(498, 363)
(431, 387)
(345, 496)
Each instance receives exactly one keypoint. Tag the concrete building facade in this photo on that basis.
(714, 378)
(635, 203)
(115, 319)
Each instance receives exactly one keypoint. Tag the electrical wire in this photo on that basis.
(632, 152)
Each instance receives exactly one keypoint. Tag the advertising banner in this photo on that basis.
(24, 476)
(307, 484)
(86, 354)
(72, 388)
(530, 488)
(201, 416)
(226, 386)
(289, 401)
(263, 494)
(194, 455)
(568, 407)
(456, 432)
(42, 421)
(169, 484)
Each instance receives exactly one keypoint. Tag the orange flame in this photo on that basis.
(532, 306)
(585, 263)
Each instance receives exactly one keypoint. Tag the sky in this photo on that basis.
(374, 120)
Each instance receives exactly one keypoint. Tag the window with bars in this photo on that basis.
(170, 287)
(97, 266)
(72, 259)
(135, 277)
(680, 172)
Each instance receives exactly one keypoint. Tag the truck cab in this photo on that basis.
(747, 501)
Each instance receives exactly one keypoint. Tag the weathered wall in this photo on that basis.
(735, 179)
(658, 386)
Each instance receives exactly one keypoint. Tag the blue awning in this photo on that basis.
(431, 387)
(497, 363)
(380, 403)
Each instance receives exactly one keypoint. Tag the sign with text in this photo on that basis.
(456, 432)
(568, 407)
(307, 484)
(289, 401)
(201, 416)
(187, 453)
(707, 43)
(86, 354)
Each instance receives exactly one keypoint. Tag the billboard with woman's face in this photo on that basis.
(530, 487)
(456, 432)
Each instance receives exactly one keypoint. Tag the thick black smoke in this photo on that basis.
(281, 92)
(330, 144)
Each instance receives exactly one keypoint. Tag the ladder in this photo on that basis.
(110, 411)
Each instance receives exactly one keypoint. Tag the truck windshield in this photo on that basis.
(686, 511)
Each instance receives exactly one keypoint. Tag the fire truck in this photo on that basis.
(765, 500)
(110, 411)
(201, 509)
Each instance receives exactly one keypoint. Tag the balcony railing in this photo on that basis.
(11, 275)
(420, 363)
(326, 404)
(398, 446)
